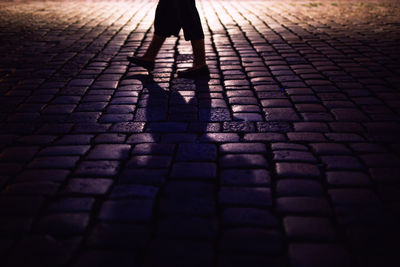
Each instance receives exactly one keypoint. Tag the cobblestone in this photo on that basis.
(303, 206)
(105, 258)
(325, 254)
(264, 241)
(63, 224)
(287, 156)
(188, 227)
(35, 249)
(126, 211)
(118, 236)
(298, 187)
(312, 228)
(72, 204)
(245, 196)
(88, 186)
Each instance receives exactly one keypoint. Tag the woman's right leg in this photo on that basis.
(190, 21)
(199, 53)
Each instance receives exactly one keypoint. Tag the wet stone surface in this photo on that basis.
(287, 156)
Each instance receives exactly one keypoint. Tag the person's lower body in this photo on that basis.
(171, 16)
(147, 61)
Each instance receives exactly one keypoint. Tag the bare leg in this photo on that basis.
(147, 60)
(199, 53)
(153, 48)
(199, 68)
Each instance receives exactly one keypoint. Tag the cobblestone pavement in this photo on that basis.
(287, 156)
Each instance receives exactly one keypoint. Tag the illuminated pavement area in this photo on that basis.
(287, 156)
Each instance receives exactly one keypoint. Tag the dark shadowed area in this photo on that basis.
(288, 156)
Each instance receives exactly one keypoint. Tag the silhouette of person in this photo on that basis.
(172, 16)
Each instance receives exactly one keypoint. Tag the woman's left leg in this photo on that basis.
(166, 24)
(155, 46)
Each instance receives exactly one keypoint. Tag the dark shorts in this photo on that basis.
(174, 15)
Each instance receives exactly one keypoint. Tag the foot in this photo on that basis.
(195, 72)
(147, 64)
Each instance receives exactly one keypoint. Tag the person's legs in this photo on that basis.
(199, 53)
(165, 24)
(171, 16)
(189, 19)
(147, 60)
(155, 46)
(199, 67)
(191, 24)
